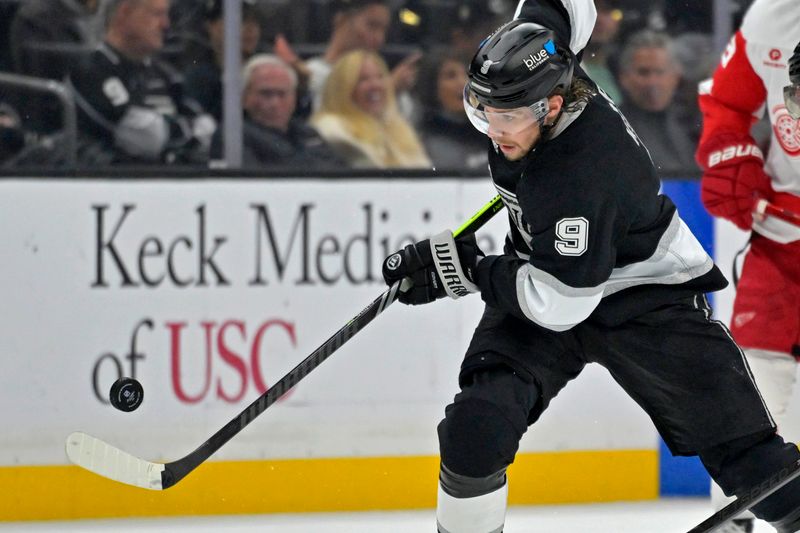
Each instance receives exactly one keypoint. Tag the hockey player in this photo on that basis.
(791, 93)
(752, 77)
(597, 267)
(132, 107)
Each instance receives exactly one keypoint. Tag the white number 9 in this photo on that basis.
(572, 234)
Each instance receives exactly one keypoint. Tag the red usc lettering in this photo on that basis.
(229, 344)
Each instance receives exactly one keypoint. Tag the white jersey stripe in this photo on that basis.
(545, 300)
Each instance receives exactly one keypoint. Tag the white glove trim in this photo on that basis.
(448, 266)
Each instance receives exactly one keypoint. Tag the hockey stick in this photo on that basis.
(109, 461)
(763, 207)
(749, 499)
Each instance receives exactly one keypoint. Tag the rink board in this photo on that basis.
(208, 291)
(319, 485)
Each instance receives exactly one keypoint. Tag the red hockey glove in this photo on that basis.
(734, 177)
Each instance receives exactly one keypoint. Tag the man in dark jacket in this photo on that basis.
(272, 136)
(649, 77)
(131, 106)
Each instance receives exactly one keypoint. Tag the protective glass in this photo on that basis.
(502, 121)
(791, 95)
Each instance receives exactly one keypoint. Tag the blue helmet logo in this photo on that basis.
(550, 47)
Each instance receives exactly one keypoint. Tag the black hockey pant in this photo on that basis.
(480, 434)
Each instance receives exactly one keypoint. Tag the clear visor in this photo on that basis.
(502, 121)
(791, 95)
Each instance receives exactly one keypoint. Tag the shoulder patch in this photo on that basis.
(115, 91)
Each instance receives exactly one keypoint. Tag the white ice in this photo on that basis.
(661, 516)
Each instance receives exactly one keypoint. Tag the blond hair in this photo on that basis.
(390, 135)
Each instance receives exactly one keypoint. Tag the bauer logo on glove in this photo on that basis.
(733, 177)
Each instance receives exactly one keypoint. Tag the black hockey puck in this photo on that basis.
(126, 394)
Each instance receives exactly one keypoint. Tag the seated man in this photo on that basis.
(131, 106)
(272, 137)
(649, 77)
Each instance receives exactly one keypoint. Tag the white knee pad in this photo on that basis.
(775, 374)
(480, 514)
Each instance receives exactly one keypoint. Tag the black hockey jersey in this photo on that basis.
(590, 234)
(134, 108)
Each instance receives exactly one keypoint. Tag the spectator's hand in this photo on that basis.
(404, 75)
(9, 118)
(203, 128)
(284, 50)
(734, 177)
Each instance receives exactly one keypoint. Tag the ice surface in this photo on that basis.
(662, 516)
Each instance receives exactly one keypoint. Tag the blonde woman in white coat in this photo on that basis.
(358, 116)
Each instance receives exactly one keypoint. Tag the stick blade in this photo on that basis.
(110, 462)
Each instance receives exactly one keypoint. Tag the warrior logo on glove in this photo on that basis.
(437, 267)
(455, 281)
(394, 261)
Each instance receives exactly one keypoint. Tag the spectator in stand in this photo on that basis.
(698, 58)
(449, 138)
(131, 106)
(460, 28)
(273, 137)
(50, 22)
(358, 116)
(474, 20)
(12, 137)
(602, 48)
(357, 24)
(45, 38)
(204, 79)
(649, 77)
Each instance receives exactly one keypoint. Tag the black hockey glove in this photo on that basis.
(437, 267)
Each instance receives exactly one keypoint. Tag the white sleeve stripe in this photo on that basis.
(582, 17)
(678, 258)
(519, 8)
(542, 303)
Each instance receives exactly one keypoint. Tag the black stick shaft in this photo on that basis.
(177, 470)
(751, 498)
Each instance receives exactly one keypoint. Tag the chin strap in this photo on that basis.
(547, 129)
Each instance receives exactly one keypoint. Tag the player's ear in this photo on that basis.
(555, 103)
